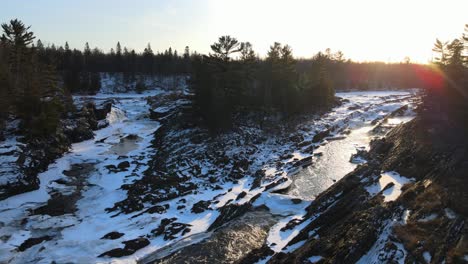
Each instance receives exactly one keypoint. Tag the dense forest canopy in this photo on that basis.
(36, 80)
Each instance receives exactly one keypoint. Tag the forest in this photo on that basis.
(36, 81)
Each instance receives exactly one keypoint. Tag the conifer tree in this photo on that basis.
(441, 49)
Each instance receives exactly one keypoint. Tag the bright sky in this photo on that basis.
(365, 30)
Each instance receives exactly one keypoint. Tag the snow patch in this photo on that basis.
(393, 192)
(314, 259)
(427, 256)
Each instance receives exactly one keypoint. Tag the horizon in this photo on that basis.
(183, 23)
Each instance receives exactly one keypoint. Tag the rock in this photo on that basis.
(158, 115)
(123, 165)
(296, 200)
(240, 241)
(303, 162)
(229, 212)
(158, 209)
(320, 136)
(200, 207)
(170, 228)
(132, 137)
(32, 242)
(136, 244)
(101, 113)
(241, 195)
(276, 183)
(131, 246)
(112, 235)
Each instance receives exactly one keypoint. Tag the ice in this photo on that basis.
(393, 192)
(356, 116)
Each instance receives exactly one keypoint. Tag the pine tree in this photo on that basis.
(226, 46)
(454, 52)
(148, 59)
(441, 49)
(247, 53)
(18, 37)
(118, 63)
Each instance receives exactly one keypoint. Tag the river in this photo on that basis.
(77, 236)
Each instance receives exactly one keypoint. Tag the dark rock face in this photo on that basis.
(131, 246)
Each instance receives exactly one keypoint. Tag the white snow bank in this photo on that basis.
(393, 192)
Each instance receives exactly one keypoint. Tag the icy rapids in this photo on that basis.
(83, 173)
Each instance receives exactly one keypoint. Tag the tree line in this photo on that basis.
(36, 81)
(233, 78)
(446, 93)
(81, 69)
(29, 87)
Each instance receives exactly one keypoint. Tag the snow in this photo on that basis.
(450, 213)
(282, 205)
(406, 214)
(314, 259)
(428, 218)
(378, 253)
(427, 256)
(386, 178)
(79, 234)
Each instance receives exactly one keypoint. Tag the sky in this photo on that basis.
(364, 30)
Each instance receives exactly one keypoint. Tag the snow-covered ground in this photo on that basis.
(77, 236)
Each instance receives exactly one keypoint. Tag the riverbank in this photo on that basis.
(407, 204)
(154, 182)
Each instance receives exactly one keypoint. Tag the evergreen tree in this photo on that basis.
(455, 53)
(226, 46)
(38, 100)
(441, 49)
(118, 58)
(148, 59)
